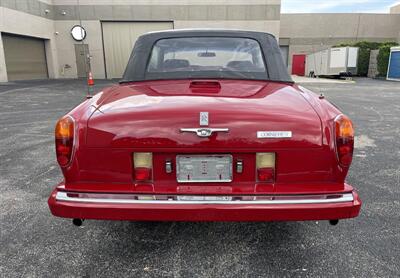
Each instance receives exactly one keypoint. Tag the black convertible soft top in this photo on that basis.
(136, 68)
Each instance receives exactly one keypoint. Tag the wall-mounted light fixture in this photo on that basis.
(78, 33)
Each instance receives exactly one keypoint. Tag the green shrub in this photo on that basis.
(383, 58)
(363, 61)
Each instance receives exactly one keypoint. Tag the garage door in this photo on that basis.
(394, 65)
(25, 57)
(119, 38)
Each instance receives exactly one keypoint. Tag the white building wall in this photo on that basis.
(308, 33)
(395, 9)
(270, 26)
(66, 49)
(52, 20)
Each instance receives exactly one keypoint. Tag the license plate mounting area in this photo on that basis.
(204, 168)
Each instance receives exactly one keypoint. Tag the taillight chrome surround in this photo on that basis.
(143, 166)
(265, 167)
(344, 140)
(65, 140)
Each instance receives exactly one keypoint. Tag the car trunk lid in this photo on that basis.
(150, 115)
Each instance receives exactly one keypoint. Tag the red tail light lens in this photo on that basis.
(265, 174)
(142, 174)
(265, 163)
(344, 132)
(64, 134)
(143, 166)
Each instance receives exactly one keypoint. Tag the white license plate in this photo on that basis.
(204, 168)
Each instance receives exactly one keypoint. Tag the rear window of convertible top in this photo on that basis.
(207, 55)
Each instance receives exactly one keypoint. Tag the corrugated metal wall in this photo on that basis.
(119, 39)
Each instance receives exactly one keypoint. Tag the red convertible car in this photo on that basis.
(206, 125)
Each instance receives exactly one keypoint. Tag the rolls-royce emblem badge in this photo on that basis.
(203, 118)
(204, 131)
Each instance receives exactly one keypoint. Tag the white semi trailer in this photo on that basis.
(335, 61)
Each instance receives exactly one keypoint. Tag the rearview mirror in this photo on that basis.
(206, 54)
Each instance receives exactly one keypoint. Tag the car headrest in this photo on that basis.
(175, 63)
(240, 65)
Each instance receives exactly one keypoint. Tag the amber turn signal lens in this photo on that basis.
(64, 135)
(344, 132)
(344, 127)
(65, 128)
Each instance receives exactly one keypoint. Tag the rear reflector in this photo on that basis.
(265, 163)
(143, 165)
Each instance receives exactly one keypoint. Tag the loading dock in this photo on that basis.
(25, 57)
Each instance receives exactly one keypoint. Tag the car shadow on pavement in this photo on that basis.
(218, 231)
(196, 248)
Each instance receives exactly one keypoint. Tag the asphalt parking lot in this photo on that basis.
(35, 244)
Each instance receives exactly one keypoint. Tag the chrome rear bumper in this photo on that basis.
(106, 198)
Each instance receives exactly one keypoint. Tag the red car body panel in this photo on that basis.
(147, 117)
(265, 106)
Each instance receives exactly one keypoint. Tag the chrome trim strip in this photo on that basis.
(172, 200)
(204, 131)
